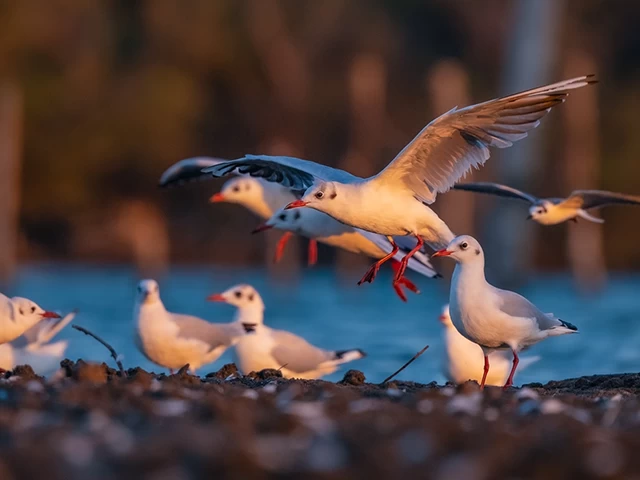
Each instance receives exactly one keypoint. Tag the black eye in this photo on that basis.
(297, 215)
(319, 195)
(463, 246)
(282, 217)
(236, 188)
(33, 309)
(238, 294)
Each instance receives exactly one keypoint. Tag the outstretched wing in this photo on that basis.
(455, 142)
(586, 199)
(496, 189)
(187, 170)
(289, 172)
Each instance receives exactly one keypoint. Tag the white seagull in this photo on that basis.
(35, 348)
(325, 229)
(260, 197)
(463, 359)
(173, 340)
(394, 202)
(551, 211)
(17, 315)
(263, 347)
(493, 318)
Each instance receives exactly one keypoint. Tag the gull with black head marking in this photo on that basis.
(552, 211)
(395, 201)
(493, 318)
(263, 347)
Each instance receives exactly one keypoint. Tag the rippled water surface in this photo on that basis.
(336, 314)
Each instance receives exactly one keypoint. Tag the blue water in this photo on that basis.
(334, 313)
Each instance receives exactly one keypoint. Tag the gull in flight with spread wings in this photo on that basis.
(551, 211)
(395, 201)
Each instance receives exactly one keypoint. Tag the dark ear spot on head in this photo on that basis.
(251, 297)
(296, 216)
(477, 251)
(21, 311)
(333, 195)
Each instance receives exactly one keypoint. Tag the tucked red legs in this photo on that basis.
(312, 252)
(513, 370)
(486, 370)
(280, 246)
(405, 260)
(404, 282)
(373, 270)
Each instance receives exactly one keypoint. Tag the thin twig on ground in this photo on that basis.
(114, 354)
(405, 365)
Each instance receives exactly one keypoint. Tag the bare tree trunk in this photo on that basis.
(531, 57)
(11, 124)
(582, 171)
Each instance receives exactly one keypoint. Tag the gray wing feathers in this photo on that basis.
(518, 306)
(496, 189)
(215, 335)
(586, 199)
(455, 142)
(296, 353)
(293, 173)
(188, 170)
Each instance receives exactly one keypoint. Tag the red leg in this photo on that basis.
(171, 371)
(513, 370)
(405, 260)
(312, 252)
(486, 370)
(404, 282)
(280, 246)
(373, 270)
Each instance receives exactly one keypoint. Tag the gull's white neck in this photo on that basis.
(249, 314)
(468, 279)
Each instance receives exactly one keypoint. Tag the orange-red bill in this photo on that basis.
(442, 253)
(216, 297)
(261, 228)
(296, 204)
(217, 198)
(48, 314)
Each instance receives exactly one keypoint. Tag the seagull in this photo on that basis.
(17, 315)
(35, 348)
(263, 347)
(395, 201)
(463, 359)
(325, 229)
(173, 340)
(493, 318)
(260, 197)
(551, 211)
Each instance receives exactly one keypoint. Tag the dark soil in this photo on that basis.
(92, 423)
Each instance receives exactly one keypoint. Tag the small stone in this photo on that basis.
(353, 377)
(224, 373)
(265, 374)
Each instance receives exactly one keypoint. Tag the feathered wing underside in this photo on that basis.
(587, 199)
(195, 328)
(296, 353)
(496, 189)
(446, 149)
(188, 170)
(293, 173)
(516, 305)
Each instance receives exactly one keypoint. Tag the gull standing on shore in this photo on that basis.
(173, 340)
(551, 211)
(463, 358)
(17, 315)
(394, 202)
(493, 318)
(263, 347)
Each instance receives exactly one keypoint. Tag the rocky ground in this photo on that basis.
(91, 422)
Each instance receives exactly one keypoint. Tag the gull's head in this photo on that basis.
(320, 196)
(26, 310)
(445, 317)
(241, 296)
(245, 191)
(539, 211)
(462, 249)
(148, 292)
(283, 219)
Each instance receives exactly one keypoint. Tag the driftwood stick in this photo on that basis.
(405, 365)
(114, 354)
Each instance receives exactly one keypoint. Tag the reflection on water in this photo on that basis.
(337, 314)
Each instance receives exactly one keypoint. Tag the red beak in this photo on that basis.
(50, 315)
(442, 253)
(217, 198)
(261, 228)
(296, 204)
(216, 297)
(442, 318)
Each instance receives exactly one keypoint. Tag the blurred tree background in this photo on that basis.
(98, 97)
